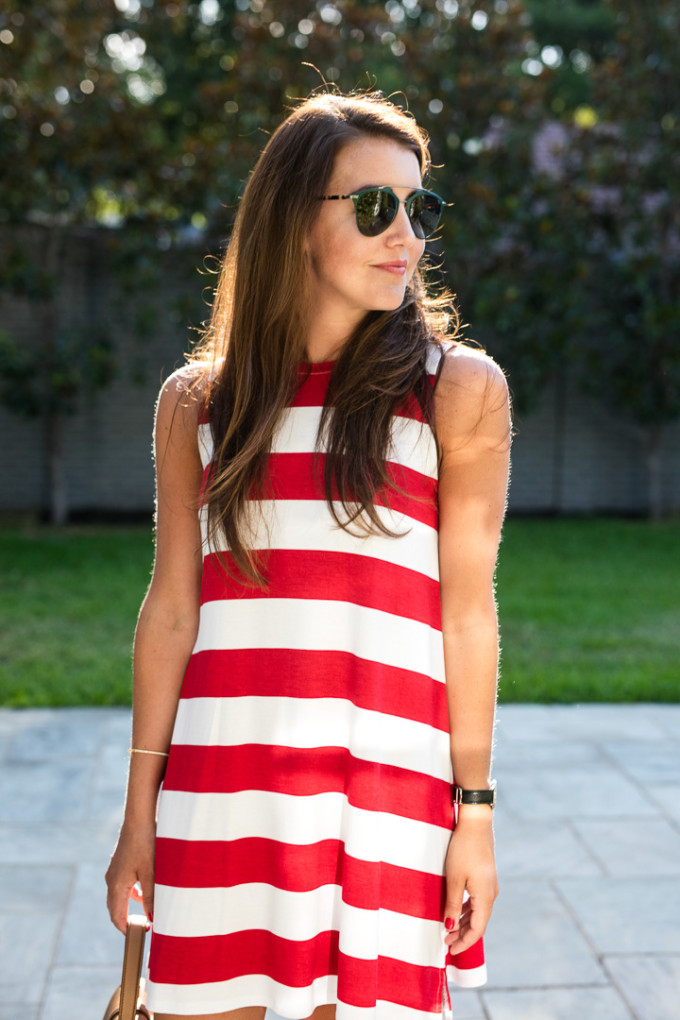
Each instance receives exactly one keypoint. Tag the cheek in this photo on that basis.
(418, 252)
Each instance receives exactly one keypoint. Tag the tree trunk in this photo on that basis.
(653, 464)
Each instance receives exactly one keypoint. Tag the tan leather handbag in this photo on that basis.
(127, 1002)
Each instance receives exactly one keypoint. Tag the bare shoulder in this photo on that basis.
(472, 371)
(472, 403)
(182, 396)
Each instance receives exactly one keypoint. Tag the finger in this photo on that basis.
(470, 930)
(453, 907)
(136, 893)
(118, 908)
(147, 895)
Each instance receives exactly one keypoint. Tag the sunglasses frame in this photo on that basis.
(356, 195)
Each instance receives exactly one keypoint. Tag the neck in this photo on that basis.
(328, 334)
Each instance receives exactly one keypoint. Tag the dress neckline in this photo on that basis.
(316, 367)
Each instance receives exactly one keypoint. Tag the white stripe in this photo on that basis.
(471, 978)
(367, 835)
(314, 723)
(412, 442)
(205, 443)
(248, 990)
(261, 990)
(303, 524)
(413, 445)
(322, 626)
(297, 916)
(434, 354)
(386, 1011)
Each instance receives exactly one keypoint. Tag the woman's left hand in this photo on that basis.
(471, 867)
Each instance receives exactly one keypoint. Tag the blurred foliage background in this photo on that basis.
(554, 126)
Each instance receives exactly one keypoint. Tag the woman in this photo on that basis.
(307, 696)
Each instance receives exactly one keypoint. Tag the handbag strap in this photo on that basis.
(132, 966)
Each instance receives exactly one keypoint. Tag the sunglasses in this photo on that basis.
(377, 208)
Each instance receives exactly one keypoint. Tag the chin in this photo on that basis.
(389, 302)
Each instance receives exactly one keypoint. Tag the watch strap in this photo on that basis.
(488, 796)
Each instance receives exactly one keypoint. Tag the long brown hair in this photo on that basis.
(255, 339)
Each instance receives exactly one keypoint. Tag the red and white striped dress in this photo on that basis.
(306, 809)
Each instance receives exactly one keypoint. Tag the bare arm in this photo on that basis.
(165, 635)
(473, 427)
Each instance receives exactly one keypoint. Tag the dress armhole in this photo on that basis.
(441, 351)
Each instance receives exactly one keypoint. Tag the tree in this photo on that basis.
(631, 175)
(148, 114)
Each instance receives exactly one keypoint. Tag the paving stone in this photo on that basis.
(667, 797)
(651, 984)
(532, 940)
(74, 732)
(27, 942)
(34, 887)
(75, 992)
(624, 915)
(35, 793)
(108, 784)
(667, 718)
(57, 843)
(117, 730)
(541, 850)
(648, 846)
(552, 754)
(593, 791)
(597, 723)
(556, 1004)
(466, 1003)
(88, 937)
(8, 1011)
(647, 761)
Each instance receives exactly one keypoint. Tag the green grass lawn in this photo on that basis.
(68, 604)
(590, 611)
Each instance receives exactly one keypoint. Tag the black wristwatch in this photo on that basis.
(461, 796)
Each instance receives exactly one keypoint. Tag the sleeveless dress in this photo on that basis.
(306, 809)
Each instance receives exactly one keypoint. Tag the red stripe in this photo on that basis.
(312, 387)
(301, 476)
(304, 772)
(296, 964)
(410, 408)
(299, 868)
(340, 577)
(184, 961)
(470, 958)
(302, 673)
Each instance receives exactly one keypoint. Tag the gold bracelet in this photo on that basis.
(140, 750)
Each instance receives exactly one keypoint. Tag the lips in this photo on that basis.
(398, 267)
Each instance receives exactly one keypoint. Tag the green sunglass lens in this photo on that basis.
(425, 212)
(375, 210)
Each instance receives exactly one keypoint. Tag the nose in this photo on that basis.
(401, 228)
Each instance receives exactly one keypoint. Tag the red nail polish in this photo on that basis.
(449, 924)
(150, 916)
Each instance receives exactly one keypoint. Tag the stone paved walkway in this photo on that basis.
(588, 831)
